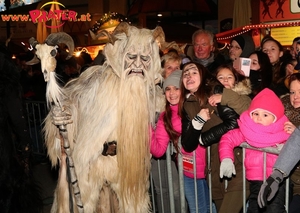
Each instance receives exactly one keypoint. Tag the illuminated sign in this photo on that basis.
(285, 35)
(60, 16)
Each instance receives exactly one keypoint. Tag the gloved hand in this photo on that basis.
(61, 116)
(269, 188)
(227, 168)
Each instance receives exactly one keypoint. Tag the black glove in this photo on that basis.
(269, 188)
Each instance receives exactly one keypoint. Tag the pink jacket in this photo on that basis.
(255, 135)
(160, 140)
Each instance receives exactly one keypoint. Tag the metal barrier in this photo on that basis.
(36, 112)
(265, 150)
(180, 172)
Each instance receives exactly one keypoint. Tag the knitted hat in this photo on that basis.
(246, 43)
(267, 100)
(173, 79)
(240, 40)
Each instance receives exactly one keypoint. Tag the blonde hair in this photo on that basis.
(170, 56)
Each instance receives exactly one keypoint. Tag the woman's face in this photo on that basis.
(170, 66)
(191, 78)
(272, 50)
(226, 77)
(172, 94)
(254, 62)
(234, 50)
(295, 93)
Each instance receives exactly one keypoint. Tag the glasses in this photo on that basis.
(234, 47)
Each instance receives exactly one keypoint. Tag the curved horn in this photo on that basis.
(102, 33)
(61, 37)
(121, 28)
(159, 36)
(33, 42)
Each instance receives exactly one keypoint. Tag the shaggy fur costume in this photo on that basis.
(113, 102)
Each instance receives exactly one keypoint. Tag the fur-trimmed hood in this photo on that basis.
(243, 87)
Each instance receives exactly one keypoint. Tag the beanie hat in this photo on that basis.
(173, 79)
(240, 40)
(246, 43)
(267, 100)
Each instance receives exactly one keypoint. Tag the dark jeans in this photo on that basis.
(295, 204)
(276, 205)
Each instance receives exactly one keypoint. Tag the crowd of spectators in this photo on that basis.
(211, 93)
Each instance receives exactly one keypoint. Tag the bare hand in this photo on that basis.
(289, 127)
(60, 116)
(289, 70)
(215, 99)
(236, 66)
(205, 114)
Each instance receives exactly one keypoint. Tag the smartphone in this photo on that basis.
(242, 65)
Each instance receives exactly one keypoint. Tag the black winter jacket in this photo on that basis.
(190, 136)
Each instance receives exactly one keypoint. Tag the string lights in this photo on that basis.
(109, 18)
(257, 26)
(78, 52)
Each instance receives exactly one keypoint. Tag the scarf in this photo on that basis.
(205, 62)
(261, 136)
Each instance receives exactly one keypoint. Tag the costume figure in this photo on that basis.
(111, 109)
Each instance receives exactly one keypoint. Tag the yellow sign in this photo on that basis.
(285, 35)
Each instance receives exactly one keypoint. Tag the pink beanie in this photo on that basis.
(267, 100)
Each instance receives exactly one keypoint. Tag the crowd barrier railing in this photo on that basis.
(183, 203)
(36, 112)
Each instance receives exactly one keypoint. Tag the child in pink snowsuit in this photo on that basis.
(262, 125)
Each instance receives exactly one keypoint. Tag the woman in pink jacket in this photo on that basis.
(168, 130)
(262, 125)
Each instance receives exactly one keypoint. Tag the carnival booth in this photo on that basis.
(279, 19)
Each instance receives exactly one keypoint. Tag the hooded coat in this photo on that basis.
(246, 43)
(257, 135)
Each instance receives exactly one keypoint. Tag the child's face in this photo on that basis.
(172, 94)
(191, 78)
(226, 77)
(262, 117)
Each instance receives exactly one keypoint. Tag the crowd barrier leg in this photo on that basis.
(181, 182)
(164, 172)
(244, 183)
(170, 179)
(266, 150)
(209, 179)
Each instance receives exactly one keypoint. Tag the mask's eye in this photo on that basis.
(145, 58)
(132, 57)
(53, 52)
